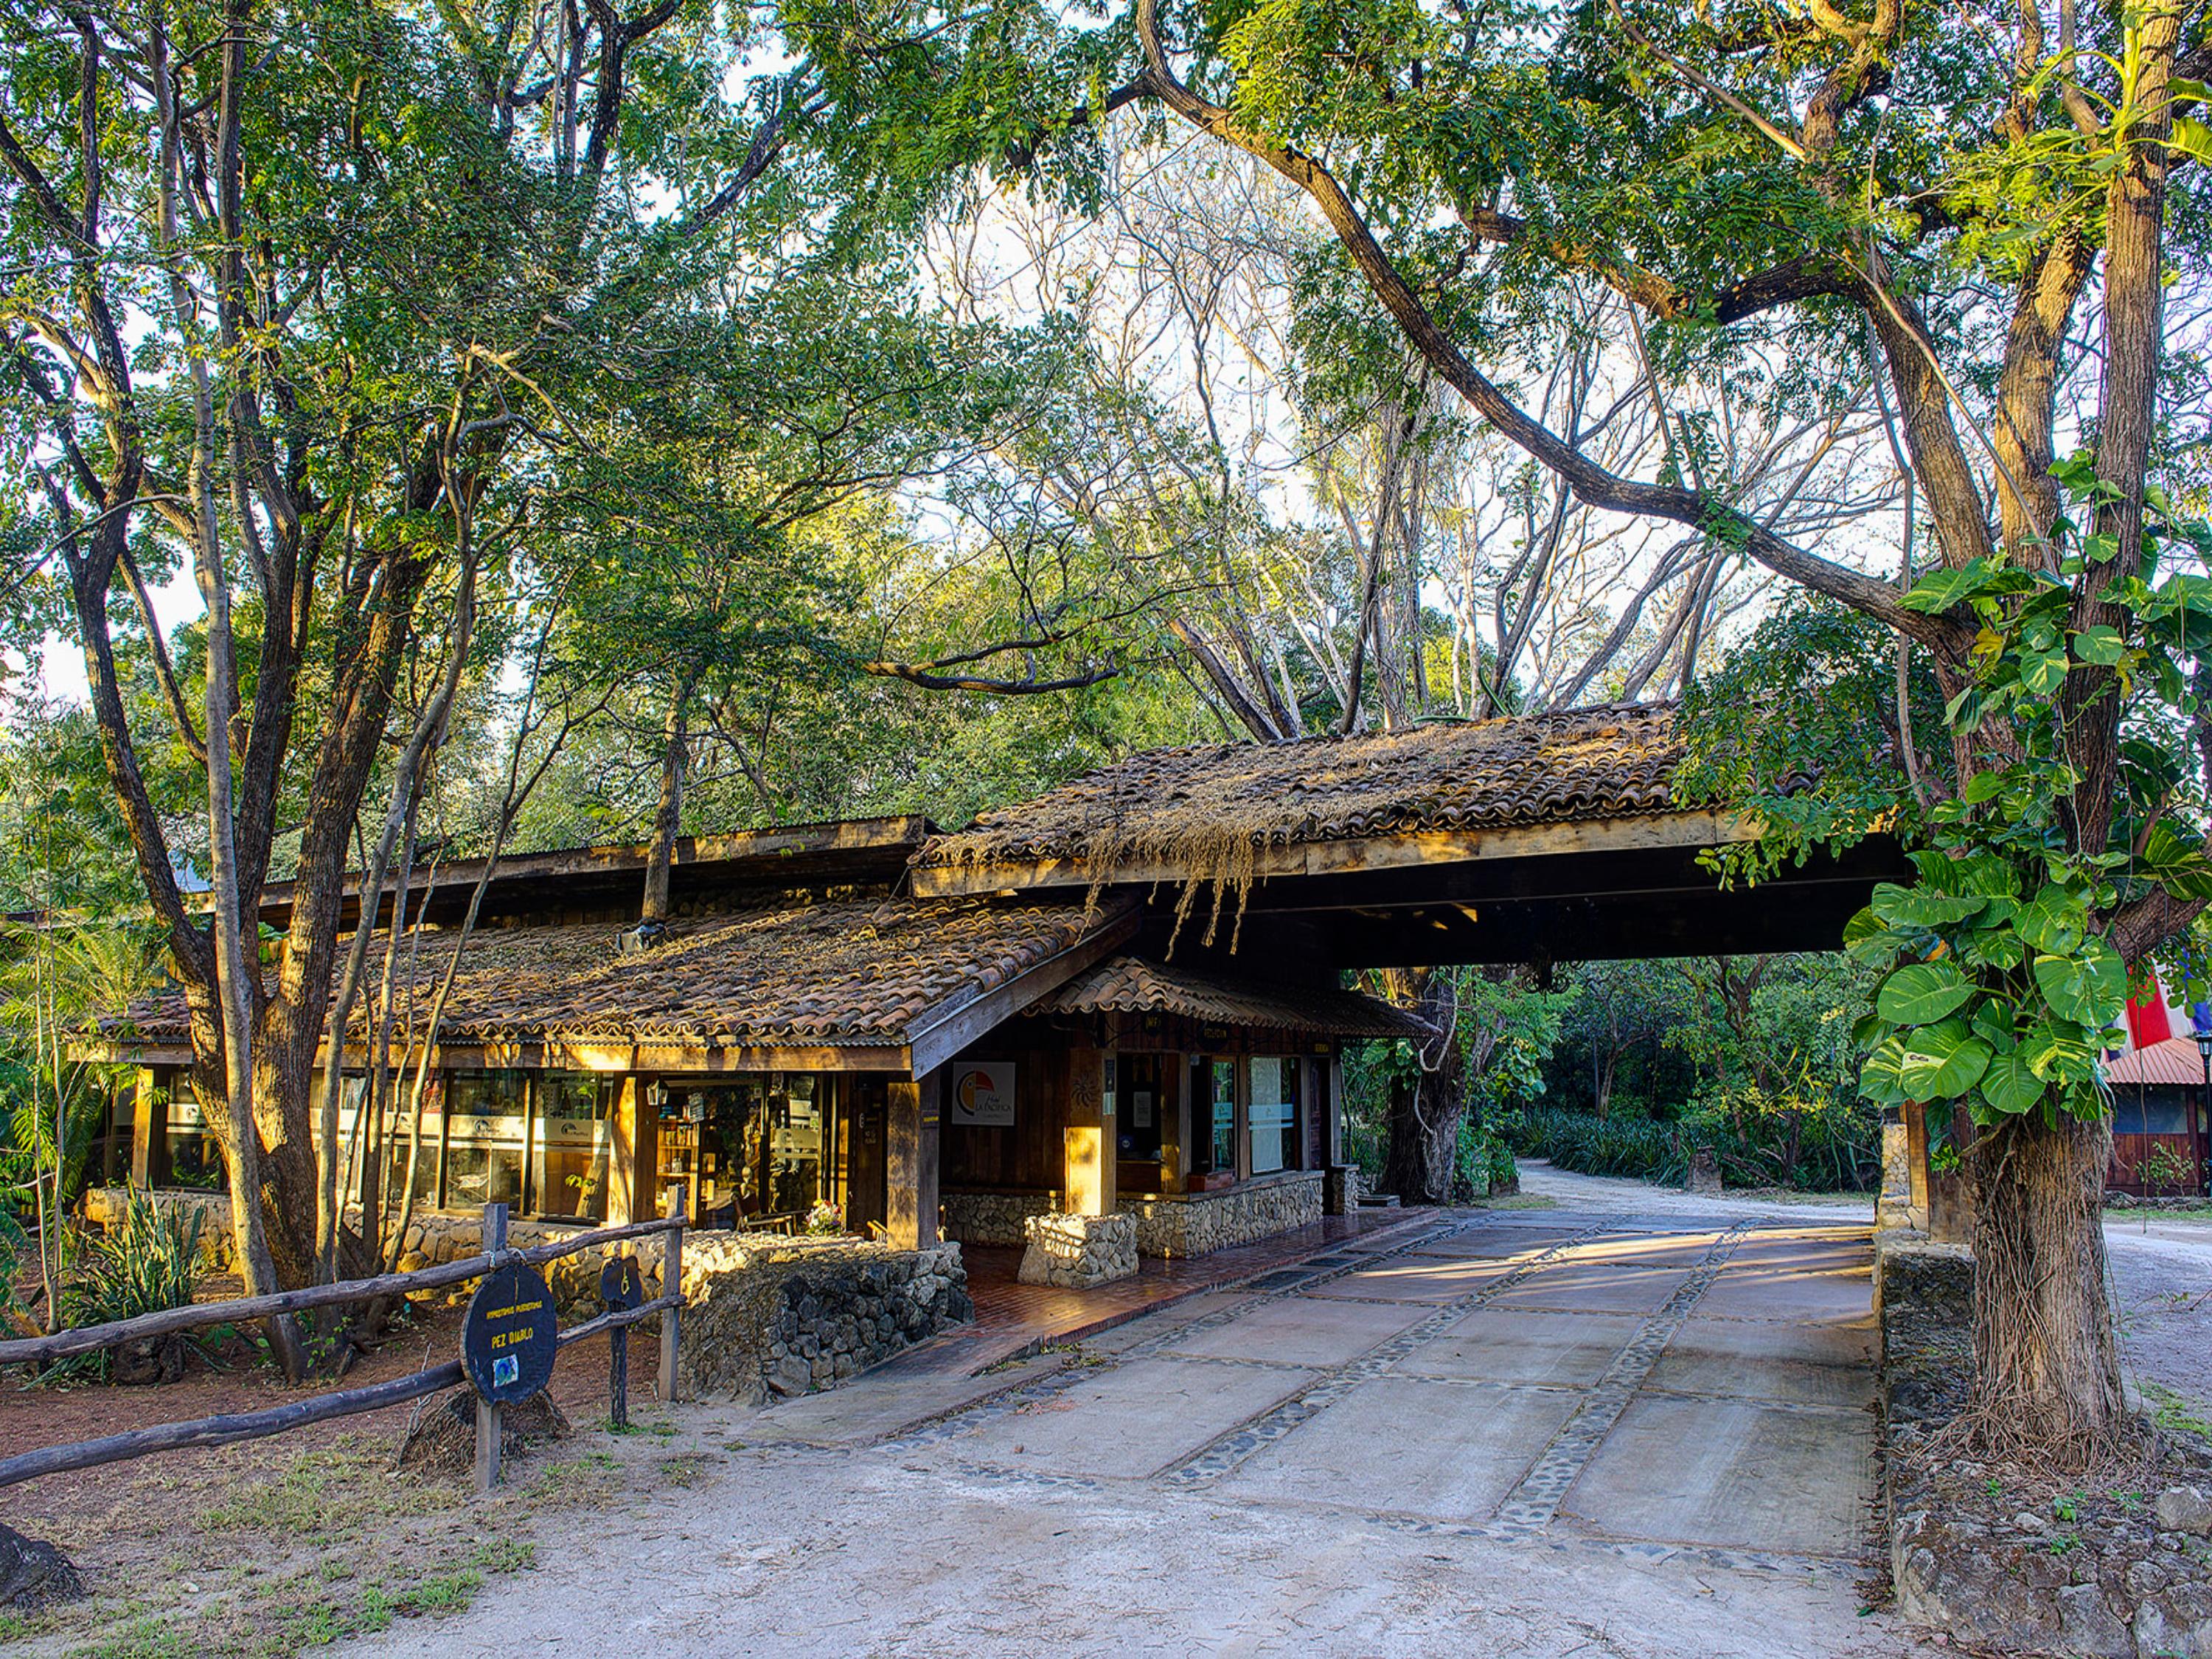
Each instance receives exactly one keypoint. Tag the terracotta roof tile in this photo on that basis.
(1612, 762)
(859, 972)
(1131, 985)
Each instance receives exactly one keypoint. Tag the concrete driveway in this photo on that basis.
(1523, 1432)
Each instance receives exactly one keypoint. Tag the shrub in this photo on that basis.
(148, 1261)
(1785, 1138)
(1483, 1162)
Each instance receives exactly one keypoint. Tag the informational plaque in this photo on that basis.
(510, 1336)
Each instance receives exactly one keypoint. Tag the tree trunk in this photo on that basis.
(2046, 1357)
(669, 816)
(1421, 1155)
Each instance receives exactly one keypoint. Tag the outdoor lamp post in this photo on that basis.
(2204, 1035)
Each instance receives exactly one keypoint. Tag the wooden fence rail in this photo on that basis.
(85, 1339)
(230, 1427)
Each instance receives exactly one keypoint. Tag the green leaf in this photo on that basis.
(1939, 589)
(2010, 1086)
(1942, 1062)
(2089, 987)
(1923, 992)
(2101, 645)
(2059, 1051)
(1982, 786)
(1881, 1075)
(1917, 907)
(2043, 672)
(2053, 920)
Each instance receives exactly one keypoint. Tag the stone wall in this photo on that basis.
(770, 1317)
(979, 1217)
(1199, 1224)
(103, 1205)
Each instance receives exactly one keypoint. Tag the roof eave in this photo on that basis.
(1699, 828)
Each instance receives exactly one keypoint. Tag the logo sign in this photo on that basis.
(510, 1336)
(983, 1094)
(621, 1287)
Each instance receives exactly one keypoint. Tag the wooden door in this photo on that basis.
(866, 1199)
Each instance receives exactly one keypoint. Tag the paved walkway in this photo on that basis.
(1588, 1431)
(1013, 1319)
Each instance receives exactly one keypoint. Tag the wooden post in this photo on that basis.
(911, 1151)
(1089, 1172)
(150, 1131)
(488, 1415)
(671, 1284)
(618, 1377)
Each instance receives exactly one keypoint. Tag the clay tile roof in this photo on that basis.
(1130, 985)
(857, 972)
(1612, 762)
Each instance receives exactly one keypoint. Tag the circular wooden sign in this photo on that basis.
(510, 1335)
(621, 1287)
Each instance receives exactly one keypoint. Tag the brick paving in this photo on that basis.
(1013, 1319)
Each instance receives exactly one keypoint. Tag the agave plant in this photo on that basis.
(148, 1261)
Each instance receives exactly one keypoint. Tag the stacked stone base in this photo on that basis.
(1076, 1252)
(1197, 1224)
(975, 1217)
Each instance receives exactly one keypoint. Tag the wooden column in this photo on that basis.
(911, 1155)
(1091, 1146)
(150, 1131)
(1175, 1122)
(629, 1178)
(1333, 1069)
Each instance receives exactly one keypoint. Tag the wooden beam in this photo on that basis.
(1699, 829)
(946, 1033)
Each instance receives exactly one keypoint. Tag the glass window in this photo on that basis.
(400, 1141)
(353, 1117)
(571, 1161)
(484, 1140)
(2151, 1112)
(1139, 1106)
(195, 1157)
(1274, 1113)
(745, 1149)
(794, 1144)
(1214, 1126)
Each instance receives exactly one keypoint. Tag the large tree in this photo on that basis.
(1977, 204)
(319, 302)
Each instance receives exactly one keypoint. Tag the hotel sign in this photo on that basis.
(983, 1094)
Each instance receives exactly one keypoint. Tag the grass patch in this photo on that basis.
(280, 1556)
(684, 1469)
(1520, 1201)
(141, 1638)
(2194, 1212)
(2169, 1410)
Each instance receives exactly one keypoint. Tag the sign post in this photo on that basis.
(621, 1287)
(494, 1238)
(508, 1342)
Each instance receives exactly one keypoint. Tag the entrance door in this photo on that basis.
(1139, 1109)
(867, 1198)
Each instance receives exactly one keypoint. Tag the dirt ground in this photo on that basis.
(272, 1547)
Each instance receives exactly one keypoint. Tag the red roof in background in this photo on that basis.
(2174, 1060)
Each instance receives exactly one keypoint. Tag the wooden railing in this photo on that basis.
(229, 1427)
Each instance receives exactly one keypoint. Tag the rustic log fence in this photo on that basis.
(229, 1427)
